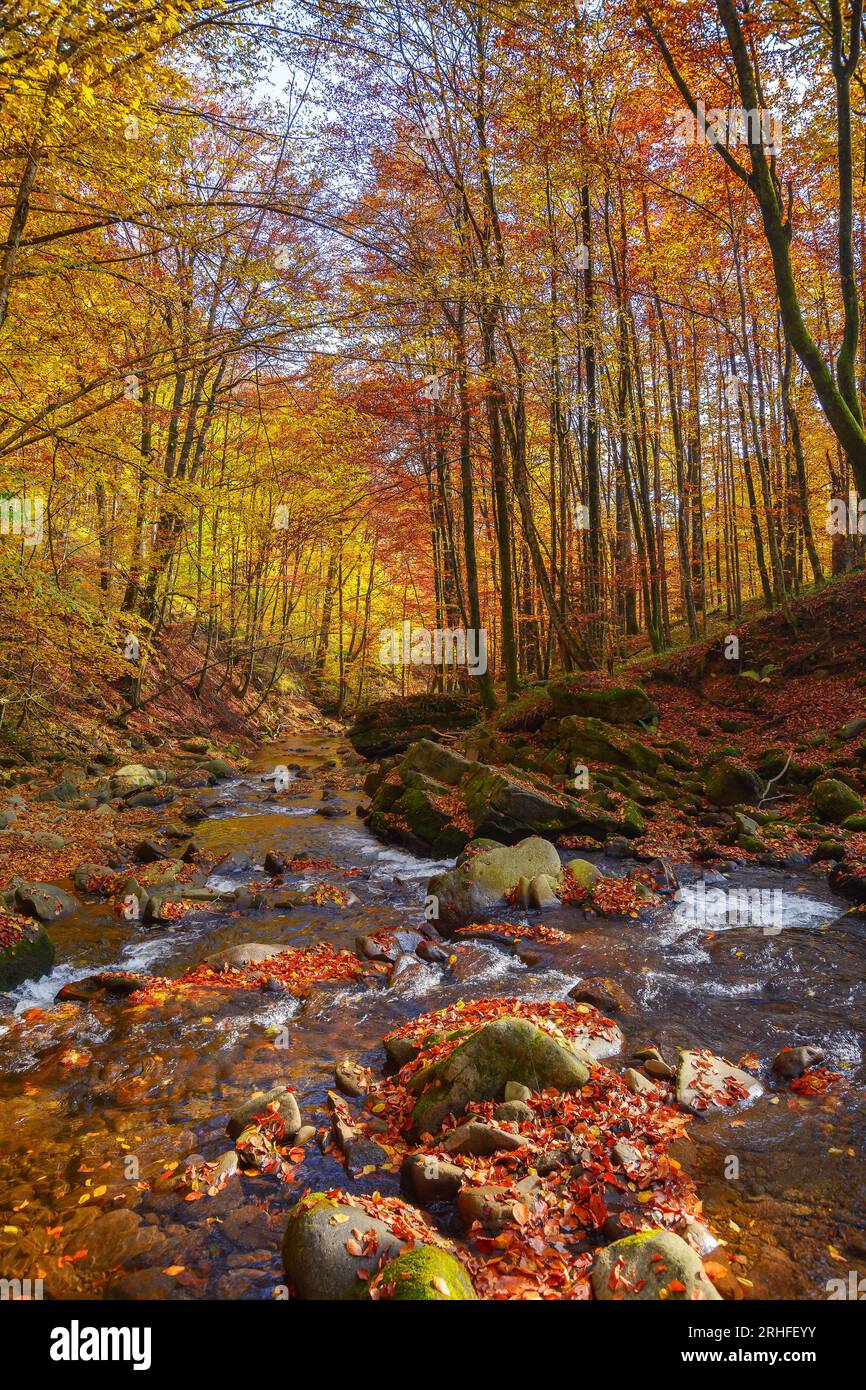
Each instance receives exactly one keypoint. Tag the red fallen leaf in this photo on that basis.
(353, 1247)
(676, 1287)
(520, 1212)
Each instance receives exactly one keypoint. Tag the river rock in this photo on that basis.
(426, 1178)
(28, 958)
(424, 1274)
(91, 878)
(315, 1258)
(253, 953)
(352, 1079)
(508, 1049)
(45, 901)
(513, 1112)
(651, 1259)
(703, 1081)
(584, 872)
(219, 768)
(492, 1206)
(792, 1062)
(479, 1139)
(134, 777)
(280, 1099)
(390, 726)
(603, 993)
(477, 888)
(637, 1082)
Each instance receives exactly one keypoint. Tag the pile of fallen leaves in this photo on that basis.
(816, 1082)
(507, 932)
(297, 970)
(11, 928)
(618, 897)
(583, 1187)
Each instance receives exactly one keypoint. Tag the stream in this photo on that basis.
(98, 1100)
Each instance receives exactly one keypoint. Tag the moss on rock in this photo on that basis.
(424, 1274)
(509, 1049)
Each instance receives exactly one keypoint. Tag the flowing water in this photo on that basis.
(98, 1100)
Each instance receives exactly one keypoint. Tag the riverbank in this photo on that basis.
(114, 1108)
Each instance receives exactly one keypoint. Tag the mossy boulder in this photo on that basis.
(593, 740)
(477, 887)
(646, 1265)
(433, 760)
(315, 1258)
(134, 777)
(584, 872)
(508, 803)
(390, 726)
(834, 801)
(412, 812)
(729, 782)
(425, 1274)
(856, 822)
(526, 714)
(28, 958)
(617, 704)
(508, 1049)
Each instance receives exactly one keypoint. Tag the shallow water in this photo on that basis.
(96, 1100)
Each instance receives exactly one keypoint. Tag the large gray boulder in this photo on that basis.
(45, 901)
(508, 1049)
(477, 887)
(646, 1265)
(316, 1259)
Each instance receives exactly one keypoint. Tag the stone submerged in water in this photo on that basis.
(791, 1062)
(509, 1049)
(706, 1082)
(651, 1265)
